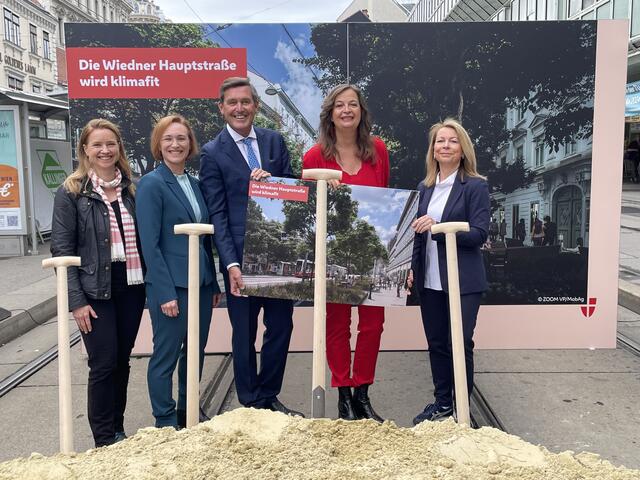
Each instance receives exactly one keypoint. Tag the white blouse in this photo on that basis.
(436, 206)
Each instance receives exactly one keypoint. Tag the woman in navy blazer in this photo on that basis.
(452, 191)
(166, 197)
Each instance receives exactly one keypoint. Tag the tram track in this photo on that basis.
(482, 415)
(628, 344)
(34, 366)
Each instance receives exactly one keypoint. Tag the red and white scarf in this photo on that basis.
(127, 250)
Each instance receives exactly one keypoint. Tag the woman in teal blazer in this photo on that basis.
(166, 197)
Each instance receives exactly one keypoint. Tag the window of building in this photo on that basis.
(37, 129)
(515, 9)
(46, 46)
(534, 212)
(603, 11)
(552, 9)
(635, 18)
(15, 83)
(531, 9)
(48, 89)
(33, 38)
(36, 88)
(520, 153)
(541, 10)
(587, 3)
(11, 27)
(570, 148)
(621, 9)
(539, 151)
(574, 7)
(589, 16)
(56, 129)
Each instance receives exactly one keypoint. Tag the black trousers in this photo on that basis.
(434, 306)
(109, 345)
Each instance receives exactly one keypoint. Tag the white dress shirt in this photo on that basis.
(439, 198)
(241, 146)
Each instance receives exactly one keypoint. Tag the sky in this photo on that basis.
(253, 11)
(272, 54)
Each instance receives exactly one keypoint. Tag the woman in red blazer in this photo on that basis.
(452, 191)
(345, 143)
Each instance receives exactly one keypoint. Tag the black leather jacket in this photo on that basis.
(81, 227)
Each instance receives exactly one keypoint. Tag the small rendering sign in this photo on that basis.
(369, 242)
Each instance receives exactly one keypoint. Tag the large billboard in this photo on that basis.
(535, 112)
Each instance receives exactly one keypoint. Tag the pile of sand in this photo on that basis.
(257, 444)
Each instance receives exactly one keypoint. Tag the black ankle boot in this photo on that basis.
(362, 405)
(181, 416)
(345, 404)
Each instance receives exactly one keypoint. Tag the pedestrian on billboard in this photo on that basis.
(493, 230)
(550, 230)
(169, 196)
(521, 231)
(537, 232)
(503, 230)
(633, 153)
(345, 143)
(452, 191)
(94, 217)
(240, 153)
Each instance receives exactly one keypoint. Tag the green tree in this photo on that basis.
(472, 71)
(295, 147)
(359, 246)
(300, 217)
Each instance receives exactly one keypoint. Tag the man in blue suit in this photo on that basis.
(240, 153)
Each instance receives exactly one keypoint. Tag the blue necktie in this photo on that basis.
(251, 155)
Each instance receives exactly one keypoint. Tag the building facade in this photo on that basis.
(69, 11)
(377, 11)
(401, 245)
(145, 11)
(497, 10)
(561, 188)
(27, 51)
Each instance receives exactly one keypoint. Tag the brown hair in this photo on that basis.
(159, 129)
(233, 82)
(327, 131)
(468, 161)
(73, 182)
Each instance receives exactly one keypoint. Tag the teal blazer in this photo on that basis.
(161, 204)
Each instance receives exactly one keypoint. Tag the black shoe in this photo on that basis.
(345, 404)
(362, 405)
(277, 406)
(120, 436)
(433, 411)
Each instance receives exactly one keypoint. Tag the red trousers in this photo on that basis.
(370, 328)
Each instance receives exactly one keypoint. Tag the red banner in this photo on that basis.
(297, 193)
(152, 72)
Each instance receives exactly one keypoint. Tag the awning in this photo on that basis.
(37, 103)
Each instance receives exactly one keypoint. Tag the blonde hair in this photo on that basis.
(73, 182)
(327, 131)
(468, 160)
(159, 129)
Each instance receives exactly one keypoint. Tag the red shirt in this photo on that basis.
(372, 175)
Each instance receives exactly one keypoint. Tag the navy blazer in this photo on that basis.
(467, 202)
(161, 204)
(224, 180)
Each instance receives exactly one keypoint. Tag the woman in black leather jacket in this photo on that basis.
(94, 218)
